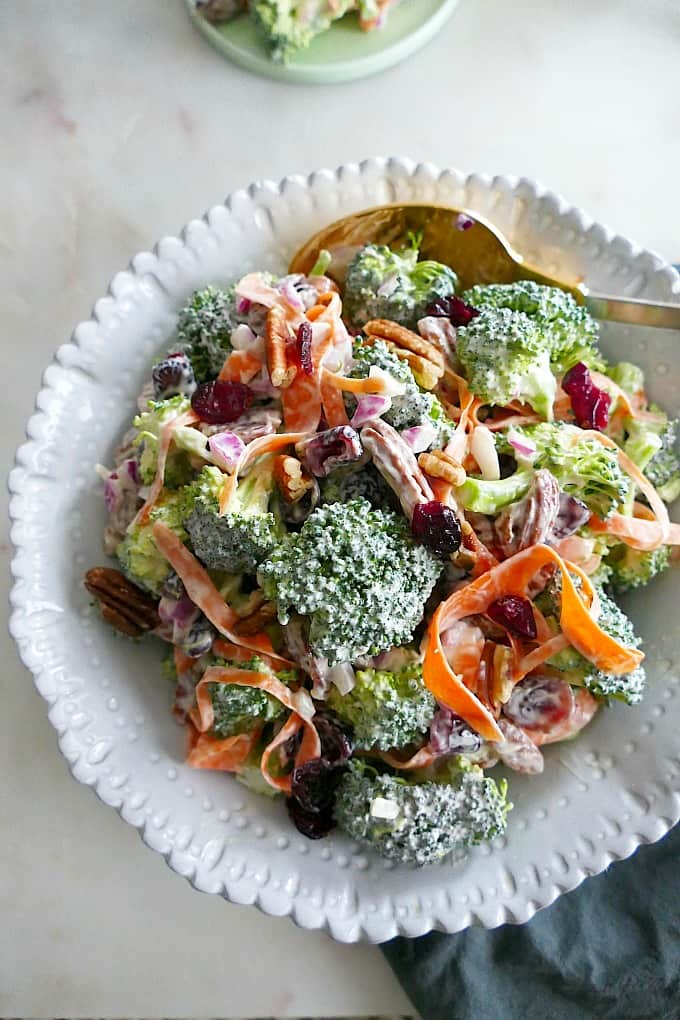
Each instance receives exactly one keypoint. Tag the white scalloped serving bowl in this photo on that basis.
(616, 786)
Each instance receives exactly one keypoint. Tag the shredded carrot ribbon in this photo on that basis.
(298, 702)
(265, 444)
(638, 533)
(205, 595)
(513, 576)
(164, 442)
(228, 755)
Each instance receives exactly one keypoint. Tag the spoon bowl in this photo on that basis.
(471, 245)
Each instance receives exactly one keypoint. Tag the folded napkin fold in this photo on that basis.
(609, 950)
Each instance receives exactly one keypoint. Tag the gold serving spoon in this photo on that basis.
(472, 246)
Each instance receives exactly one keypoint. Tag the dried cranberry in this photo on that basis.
(304, 347)
(328, 450)
(449, 734)
(571, 516)
(589, 403)
(515, 614)
(453, 308)
(218, 402)
(312, 824)
(336, 746)
(172, 376)
(539, 702)
(313, 784)
(436, 526)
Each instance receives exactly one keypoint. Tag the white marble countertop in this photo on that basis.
(119, 123)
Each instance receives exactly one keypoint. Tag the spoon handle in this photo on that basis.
(633, 311)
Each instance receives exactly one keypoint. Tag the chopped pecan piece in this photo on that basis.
(125, 606)
(292, 478)
(439, 464)
(397, 464)
(531, 520)
(276, 336)
(257, 621)
(383, 329)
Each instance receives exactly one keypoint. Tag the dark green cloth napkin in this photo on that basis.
(609, 950)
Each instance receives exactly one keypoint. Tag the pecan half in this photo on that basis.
(396, 462)
(292, 478)
(529, 521)
(384, 329)
(125, 606)
(275, 341)
(439, 464)
(257, 621)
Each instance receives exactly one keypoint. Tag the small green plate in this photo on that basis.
(343, 53)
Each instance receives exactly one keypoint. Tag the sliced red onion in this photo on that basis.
(290, 294)
(342, 677)
(370, 406)
(464, 222)
(226, 449)
(180, 612)
(571, 516)
(198, 639)
(524, 447)
(328, 450)
(132, 468)
(111, 492)
(243, 306)
(419, 437)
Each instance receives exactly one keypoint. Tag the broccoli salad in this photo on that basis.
(288, 26)
(380, 531)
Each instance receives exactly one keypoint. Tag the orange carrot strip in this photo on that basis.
(205, 595)
(240, 366)
(291, 727)
(513, 576)
(203, 715)
(226, 755)
(265, 444)
(420, 760)
(299, 703)
(349, 385)
(164, 441)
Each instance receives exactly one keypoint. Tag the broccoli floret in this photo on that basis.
(571, 333)
(629, 377)
(663, 470)
(241, 709)
(413, 406)
(581, 465)
(505, 357)
(204, 329)
(489, 497)
(148, 424)
(357, 574)
(632, 568)
(418, 823)
(581, 672)
(137, 553)
(385, 284)
(238, 540)
(357, 483)
(386, 709)
(290, 26)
